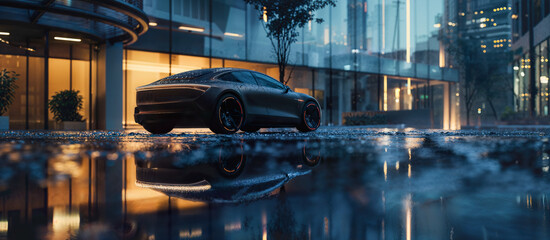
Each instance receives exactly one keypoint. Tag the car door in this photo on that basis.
(251, 93)
(281, 104)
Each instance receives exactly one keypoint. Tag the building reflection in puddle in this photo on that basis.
(406, 188)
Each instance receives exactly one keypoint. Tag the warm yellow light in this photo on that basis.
(495, 24)
(194, 29)
(63, 219)
(397, 165)
(4, 33)
(67, 39)
(153, 24)
(409, 86)
(3, 226)
(193, 233)
(437, 25)
(544, 79)
(265, 15)
(385, 107)
(482, 25)
(233, 34)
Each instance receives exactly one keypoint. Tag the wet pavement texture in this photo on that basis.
(336, 183)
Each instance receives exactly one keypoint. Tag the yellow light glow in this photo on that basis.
(408, 210)
(326, 37)
(481, 12)
(67, 39)
(193, 29)
(385, 107)
(544, 79)
(3, 226)
(409, 174)
(63, 219)
(397, 94)
(397, 165)
(4, 33)
(483, 25)
(193, 233)
(233, 34)
(265, 15)
(437, 25)
(409, 86)
(153, 24)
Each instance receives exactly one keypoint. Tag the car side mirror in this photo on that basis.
(287, 89)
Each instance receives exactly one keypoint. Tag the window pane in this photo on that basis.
(267, 81)
(245, 77)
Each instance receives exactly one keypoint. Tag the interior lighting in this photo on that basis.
(68, 39)
(265, 15)
(233, 34)
(4, 33)
(153, 24)
(437, 25)
(193, 29)
(544, 79)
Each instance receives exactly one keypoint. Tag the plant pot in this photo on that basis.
(70, 126)
(4, 122)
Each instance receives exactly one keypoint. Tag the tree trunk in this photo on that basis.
(282, 73)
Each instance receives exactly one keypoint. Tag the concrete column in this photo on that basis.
(109, 87)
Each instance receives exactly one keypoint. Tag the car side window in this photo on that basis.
(245, 77)
(266, 81)
(229, 77)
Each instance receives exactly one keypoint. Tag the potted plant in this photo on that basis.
(65, 106)
(7, 94)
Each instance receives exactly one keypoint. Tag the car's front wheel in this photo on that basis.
(311, 117)
(158, 128)
(228, 116)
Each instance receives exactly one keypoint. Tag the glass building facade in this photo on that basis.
(367, 56)
(531, 19)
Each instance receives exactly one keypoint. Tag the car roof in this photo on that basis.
(194, 76)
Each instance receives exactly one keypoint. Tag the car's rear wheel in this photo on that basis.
(311, 117)
(250, 129)
(158, 128)
(228, 116)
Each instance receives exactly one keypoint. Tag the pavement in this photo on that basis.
(337, 182)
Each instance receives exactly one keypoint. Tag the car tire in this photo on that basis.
(158, 128)
(310, 118)
(228, 115)
(250, 129)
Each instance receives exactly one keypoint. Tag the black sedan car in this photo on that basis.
(225, 100)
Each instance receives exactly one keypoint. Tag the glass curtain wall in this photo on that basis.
(342, 62)
(69, 67)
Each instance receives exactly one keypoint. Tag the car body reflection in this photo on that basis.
(225, 173)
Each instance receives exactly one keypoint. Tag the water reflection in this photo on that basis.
(365, 187)
(224, 173)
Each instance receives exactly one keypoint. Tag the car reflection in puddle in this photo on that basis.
(224, 173)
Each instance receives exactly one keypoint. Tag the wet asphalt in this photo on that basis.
(335, 183)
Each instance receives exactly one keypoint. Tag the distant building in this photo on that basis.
(483, 31)
(531, 34)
